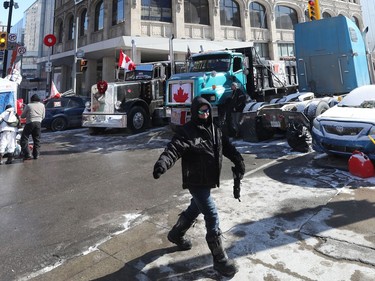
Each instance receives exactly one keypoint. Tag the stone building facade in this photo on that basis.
(146, 29)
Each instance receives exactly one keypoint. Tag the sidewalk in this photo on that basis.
(280, 231)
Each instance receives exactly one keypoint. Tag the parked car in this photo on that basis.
(64, 112)
(348, 126)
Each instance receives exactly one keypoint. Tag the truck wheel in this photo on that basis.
(59, 124)
(316, 108)
(137, 119)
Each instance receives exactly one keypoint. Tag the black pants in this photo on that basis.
(33, 128)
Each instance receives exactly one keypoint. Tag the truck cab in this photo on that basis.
(210, 75)
(130, 103)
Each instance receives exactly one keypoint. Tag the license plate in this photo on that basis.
(275, 124)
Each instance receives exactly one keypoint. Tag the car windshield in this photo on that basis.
(362, 97)
(218, 63)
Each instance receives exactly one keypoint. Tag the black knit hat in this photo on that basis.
(35, 97)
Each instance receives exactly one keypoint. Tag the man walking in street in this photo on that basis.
(201, 145)
(34, 113)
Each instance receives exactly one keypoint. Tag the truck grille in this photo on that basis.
(342, 131)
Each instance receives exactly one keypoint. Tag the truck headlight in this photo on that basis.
(316, 124)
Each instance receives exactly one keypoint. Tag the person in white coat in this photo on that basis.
(9, 122)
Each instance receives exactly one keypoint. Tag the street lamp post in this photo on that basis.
(8, 4)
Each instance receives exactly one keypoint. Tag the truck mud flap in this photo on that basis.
(252, 129)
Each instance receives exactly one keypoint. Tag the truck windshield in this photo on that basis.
(219, 63)
(138, 75)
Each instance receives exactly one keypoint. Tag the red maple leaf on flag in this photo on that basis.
(180, 96)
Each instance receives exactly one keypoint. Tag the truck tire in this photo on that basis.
(316, 108)
(137, 119)
(59, 124)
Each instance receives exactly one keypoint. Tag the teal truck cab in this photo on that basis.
(210, 75)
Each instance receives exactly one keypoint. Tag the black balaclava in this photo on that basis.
(196, 104)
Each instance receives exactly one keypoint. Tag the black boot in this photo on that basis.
(10, 159)
(1, 158)
(222, 264)
(176, 235)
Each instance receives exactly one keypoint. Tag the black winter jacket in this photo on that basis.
(201, 147)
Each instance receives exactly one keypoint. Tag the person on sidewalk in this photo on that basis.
(9, 122)
(201, 145)
(34, 113)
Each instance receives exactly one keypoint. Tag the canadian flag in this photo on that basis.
(125, 62)
(54, 92)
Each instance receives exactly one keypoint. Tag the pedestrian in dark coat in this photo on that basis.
(201, 145)
(34, 113)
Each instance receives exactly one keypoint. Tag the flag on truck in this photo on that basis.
(125, 62)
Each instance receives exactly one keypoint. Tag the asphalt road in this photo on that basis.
(85, 188)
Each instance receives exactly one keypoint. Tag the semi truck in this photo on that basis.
(132, 102)
(211, 75)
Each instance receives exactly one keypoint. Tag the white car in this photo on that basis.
(348, 126)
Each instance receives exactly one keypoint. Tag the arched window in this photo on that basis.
(118, 14)
(286, 17)
(326, 15)
(60, 31)
(71, 28)
(83, 23)
(99, 16)
(229, 13)
(258, 15)
(157, 10)
(196, 11)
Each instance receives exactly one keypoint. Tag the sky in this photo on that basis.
(17, 14)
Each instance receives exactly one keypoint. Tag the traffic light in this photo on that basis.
(3, 41)
(314, 10)
(83, 65)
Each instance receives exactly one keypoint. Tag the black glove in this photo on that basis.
(236, 183)
(240, 167)
(159, 169)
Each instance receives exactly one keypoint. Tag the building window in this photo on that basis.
(99, 16)
(229, 13)
(286, 17)
(326, 15)
(196, 11)
(83, 23)
(261, 50)
(71, 28)
(286, 49)
(60, 31)
(258, 15)
(117, 12)
(157, 10)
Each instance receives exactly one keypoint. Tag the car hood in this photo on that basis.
(349, 114)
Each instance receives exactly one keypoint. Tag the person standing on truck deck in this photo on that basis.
(9, 122)
(201, 145)
(34, 112)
